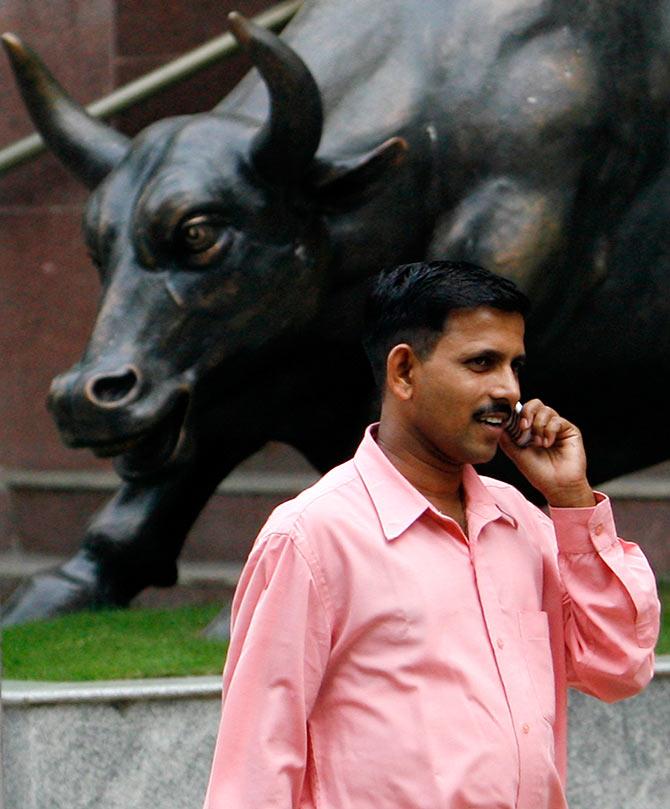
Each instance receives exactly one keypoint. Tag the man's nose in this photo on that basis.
(507, 386)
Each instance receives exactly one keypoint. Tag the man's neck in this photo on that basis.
(440, 482)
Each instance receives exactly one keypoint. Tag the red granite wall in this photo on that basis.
(48, 289)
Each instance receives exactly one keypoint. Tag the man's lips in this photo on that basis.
(492, 431)
(496, 417)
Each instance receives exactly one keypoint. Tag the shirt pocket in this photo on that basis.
(534, 628)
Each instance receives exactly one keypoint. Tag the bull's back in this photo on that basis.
(514, 66)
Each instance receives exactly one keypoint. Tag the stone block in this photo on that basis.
(41, 183)
(194, 95)
(646, 522)
(151, 27)
(52, 520)
(618, 753)
(109, 755)
(148, 744)
(81, 29)
(48, 295)
(228, 525)
(7, 532)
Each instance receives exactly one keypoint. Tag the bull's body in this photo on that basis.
(535, 133)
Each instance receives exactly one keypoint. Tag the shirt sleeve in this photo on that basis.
(280, 641)
(610, 603)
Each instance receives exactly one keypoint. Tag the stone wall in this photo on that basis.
(148, 744)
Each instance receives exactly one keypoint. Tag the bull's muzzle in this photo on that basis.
(113, 390)
(120, 414)
(108, 391)
(83, 403)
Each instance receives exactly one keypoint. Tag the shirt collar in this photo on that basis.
(398, 504)
(481, 504)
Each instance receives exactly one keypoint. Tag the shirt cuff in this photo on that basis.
(585, 530)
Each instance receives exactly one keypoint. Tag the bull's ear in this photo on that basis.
(337, 184)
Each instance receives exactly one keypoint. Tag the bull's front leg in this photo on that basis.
(132, 543)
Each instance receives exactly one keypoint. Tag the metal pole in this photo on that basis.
(151, 83)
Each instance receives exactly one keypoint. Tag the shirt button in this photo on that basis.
(599, 529)
(500, 643)
(525, 727)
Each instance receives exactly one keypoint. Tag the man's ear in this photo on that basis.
(400, 367)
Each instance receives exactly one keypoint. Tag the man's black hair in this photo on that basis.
(411, 304)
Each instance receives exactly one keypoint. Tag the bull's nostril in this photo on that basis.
(111, 390)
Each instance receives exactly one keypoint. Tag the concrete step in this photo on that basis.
(199, 583)
(45, 514)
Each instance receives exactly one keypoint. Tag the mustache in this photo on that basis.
(495, 408)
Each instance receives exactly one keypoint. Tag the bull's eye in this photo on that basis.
(201, 238)
(198, 233)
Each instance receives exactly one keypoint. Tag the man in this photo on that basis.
(404, 631)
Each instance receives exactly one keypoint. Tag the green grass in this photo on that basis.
(120, 644)
(113, 644)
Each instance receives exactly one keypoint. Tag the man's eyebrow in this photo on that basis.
(492, 354)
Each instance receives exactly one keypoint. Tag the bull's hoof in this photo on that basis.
(75, 586)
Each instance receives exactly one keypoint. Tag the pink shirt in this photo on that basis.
(381, 660)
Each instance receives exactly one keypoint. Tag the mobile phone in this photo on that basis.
(522, 438)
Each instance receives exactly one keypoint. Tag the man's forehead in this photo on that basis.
(483, 317)
(484, 330)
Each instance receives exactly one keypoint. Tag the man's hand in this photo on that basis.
(554, 462)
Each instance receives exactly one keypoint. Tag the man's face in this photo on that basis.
(462, 394)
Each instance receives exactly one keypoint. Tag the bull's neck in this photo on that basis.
(394, 223)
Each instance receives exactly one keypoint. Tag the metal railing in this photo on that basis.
(151, 83)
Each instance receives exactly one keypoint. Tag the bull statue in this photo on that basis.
(234, 246)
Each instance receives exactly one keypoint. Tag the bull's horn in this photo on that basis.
(87, 147)
(284, 147)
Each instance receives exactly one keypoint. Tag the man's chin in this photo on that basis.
(483, 454)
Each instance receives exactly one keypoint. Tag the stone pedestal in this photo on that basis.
(150, 743)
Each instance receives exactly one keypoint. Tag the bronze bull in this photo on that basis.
(234, 246)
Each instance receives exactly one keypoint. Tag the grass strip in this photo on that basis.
(140, 643)
(114, 644)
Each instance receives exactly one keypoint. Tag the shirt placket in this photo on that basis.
(528, 732)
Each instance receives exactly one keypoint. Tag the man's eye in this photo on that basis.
(480, 362)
